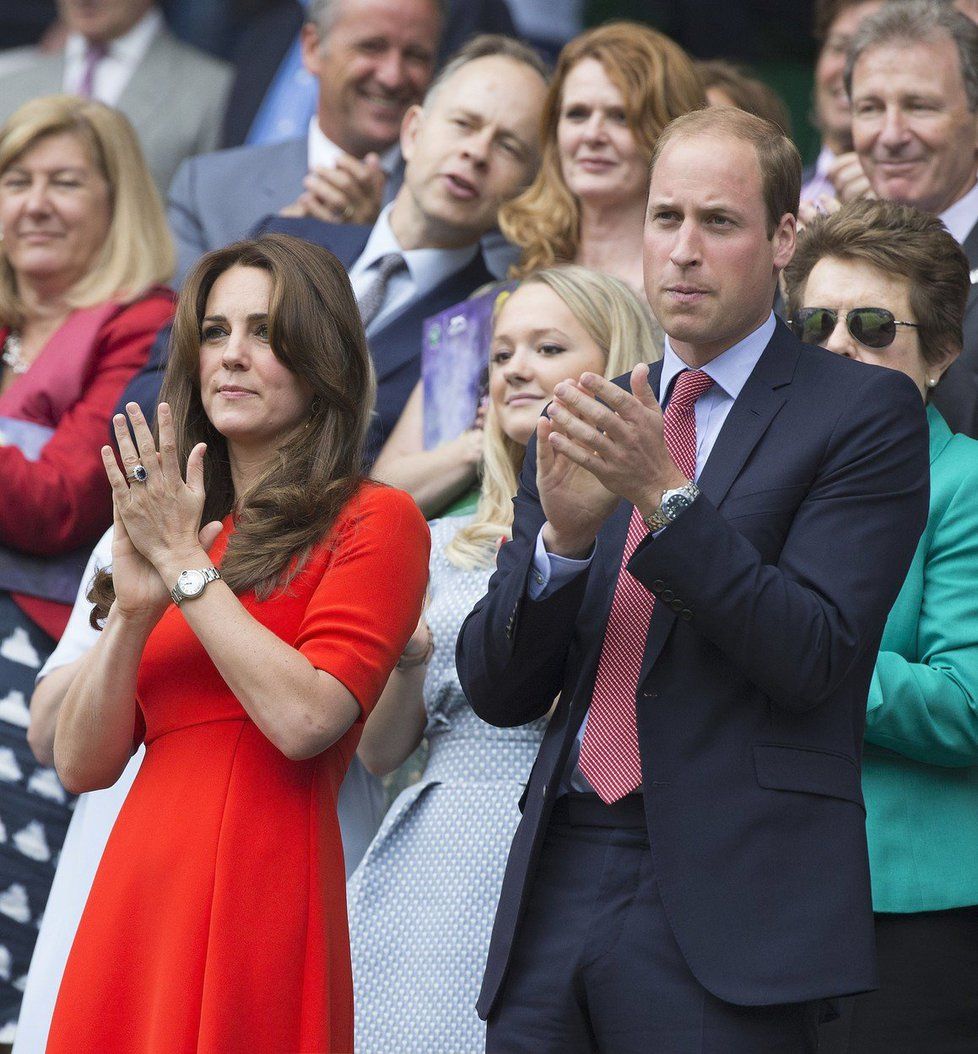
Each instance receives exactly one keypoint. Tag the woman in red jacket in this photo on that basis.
(83, 256)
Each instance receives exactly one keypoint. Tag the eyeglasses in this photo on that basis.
(873, 327)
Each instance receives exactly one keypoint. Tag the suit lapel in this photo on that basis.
(753, 410)
(282, 181)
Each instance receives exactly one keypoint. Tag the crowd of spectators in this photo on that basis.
(468, 186)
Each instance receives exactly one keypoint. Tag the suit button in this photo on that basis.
(686, 614)
(667, 595)
(658, 584)
(677, 604)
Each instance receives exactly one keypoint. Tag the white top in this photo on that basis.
(124, 55)
(425, 268)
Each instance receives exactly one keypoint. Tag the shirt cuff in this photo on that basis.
(549, 572)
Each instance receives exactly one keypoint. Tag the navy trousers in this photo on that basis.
(596, 970)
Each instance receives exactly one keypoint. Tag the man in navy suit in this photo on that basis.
(470, 147)
(702, 589)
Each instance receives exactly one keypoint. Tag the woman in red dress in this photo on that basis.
(217, 921)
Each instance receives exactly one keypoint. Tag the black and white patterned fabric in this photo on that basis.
(34, 810)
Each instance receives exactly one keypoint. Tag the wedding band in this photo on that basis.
(137, 474)
(346, 213)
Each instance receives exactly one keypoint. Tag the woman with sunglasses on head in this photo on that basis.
(887, 285)
(217, 919)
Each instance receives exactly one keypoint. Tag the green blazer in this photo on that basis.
(920, 768)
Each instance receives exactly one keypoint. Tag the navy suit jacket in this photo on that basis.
(771, 594)
(395, 347)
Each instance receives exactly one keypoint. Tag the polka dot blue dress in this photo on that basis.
(422, 901)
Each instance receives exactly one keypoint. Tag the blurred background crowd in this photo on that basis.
(475, 166)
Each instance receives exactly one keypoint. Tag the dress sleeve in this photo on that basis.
(367, 604)
(63, 499)
(927, 709)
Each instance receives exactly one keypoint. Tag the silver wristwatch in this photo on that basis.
(191, 583)
(672, 505)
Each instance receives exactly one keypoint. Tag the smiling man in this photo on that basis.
(690, 874)
(373, 60)
(912, 74)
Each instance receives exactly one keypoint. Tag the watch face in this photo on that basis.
(674, 504)
(191, 583)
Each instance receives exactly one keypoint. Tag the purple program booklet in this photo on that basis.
(455, 365)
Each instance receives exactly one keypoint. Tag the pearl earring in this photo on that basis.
(931, 382)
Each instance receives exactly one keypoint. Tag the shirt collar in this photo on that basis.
(730, 369)
(961, 216)
(427, 267)
(323, 152)
(129, 48)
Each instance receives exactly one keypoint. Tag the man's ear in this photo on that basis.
(411, 126)
(310, 46)
(784, 240)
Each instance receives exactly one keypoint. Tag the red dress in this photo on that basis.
(217, 920)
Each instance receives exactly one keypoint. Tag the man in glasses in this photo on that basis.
(704, 554)
(912, 76)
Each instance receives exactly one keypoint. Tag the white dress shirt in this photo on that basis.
(960, 217)
(425, 269)
(113, 72)
(820, 182)
(324, 153)
(730, 371)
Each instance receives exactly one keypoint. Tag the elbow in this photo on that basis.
(41, 742)
(76, 780)
(377, 763)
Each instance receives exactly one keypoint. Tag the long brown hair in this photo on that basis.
(657, 82)
(314, 329)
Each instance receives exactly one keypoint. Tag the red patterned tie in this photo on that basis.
(610, 757)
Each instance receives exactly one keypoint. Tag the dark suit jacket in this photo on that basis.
(772, 590)
(395, 347)
(957, 394)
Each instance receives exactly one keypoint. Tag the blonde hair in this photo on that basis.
(623, 328)
(657, 81)
(138, 251)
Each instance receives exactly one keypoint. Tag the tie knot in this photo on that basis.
(95, 50)
(389, 265)
(689, 386)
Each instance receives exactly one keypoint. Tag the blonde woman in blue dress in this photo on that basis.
(422, 901)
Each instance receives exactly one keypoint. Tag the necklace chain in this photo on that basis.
(13, 354)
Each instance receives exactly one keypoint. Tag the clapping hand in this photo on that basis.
(349, 192)
(593, 453)
(156, 519)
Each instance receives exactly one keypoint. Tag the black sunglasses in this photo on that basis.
(873, 327)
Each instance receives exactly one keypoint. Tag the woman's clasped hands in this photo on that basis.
(156, 514)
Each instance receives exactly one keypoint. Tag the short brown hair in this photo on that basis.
(899, 241)
(826, 12)
(745, 91)
(138, 250)
(777, 156)
(657, 81)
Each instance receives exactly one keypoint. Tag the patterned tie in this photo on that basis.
(95, 51)
(373, 296)
(610, 757)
